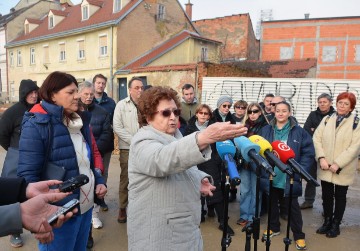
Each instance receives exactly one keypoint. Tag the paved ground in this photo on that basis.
(113, 236)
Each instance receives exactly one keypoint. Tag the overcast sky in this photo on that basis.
(281, 9)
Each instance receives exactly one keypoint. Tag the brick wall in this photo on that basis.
(333, 41)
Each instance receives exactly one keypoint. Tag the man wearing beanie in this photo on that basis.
(10, 127)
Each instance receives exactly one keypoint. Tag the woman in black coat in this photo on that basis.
(202, 119)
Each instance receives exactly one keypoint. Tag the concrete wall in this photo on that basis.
(310, 38)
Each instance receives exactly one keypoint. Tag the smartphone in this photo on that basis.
(63, 210)
(73, 183)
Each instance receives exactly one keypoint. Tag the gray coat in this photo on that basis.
(164, 191)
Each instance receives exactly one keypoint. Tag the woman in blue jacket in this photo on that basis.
(285, 128)
(69, 147)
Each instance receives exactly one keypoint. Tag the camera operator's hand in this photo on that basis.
(206, 187)
(100, 191)
(35, 212)
(41, 187)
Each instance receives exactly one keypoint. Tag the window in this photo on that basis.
(85, 12)
(46, 54)
(117, 5)
(11, 58)
(161, 12)
(32, 55)
(329, 54)
(357, 53)
(51, 22)
(103, 45)
(81, 51)
(62, 52)
(204, 54)
(286, 53)
(19, 58)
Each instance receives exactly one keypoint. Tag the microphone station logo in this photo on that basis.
(284, 147)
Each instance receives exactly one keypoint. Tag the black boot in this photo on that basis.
(325, 227)
(232, 196)
(230, 231)
(334, 230)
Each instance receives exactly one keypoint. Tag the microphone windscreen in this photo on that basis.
(225, 147)
(282, 151)
(263, 143)
(245, 145)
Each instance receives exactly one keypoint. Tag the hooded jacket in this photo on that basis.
(10, 122)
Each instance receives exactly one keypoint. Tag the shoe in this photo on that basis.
(325, 227)
(90, 242)
(103, 205)
(241, 222)
(96, 222)
(16, 241)
(211, 212)
(334, 230)
(300, 244)
(230, 231)
(122, 215)
(284, 217)
(306, 205)
(272, 234)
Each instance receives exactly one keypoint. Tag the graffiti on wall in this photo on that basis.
(300, 93)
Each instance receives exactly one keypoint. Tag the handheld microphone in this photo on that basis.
(266, 151)
(73, 183)
(226, 151)
(287, 155)
(250, 151)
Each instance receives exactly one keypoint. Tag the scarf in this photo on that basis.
(203, 126)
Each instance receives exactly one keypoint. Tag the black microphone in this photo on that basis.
(266, 151)
(249, 151)
(286, 155)
(226, 151)
(73, 183)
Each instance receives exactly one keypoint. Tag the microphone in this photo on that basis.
(266, 151)
(226, 151)
(250, 151)
(287, 155)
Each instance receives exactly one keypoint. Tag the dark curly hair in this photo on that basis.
(150, 99)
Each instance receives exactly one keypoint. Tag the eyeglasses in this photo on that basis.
(253, 111)
(167, 112)
(228, 106)
(203, 113)
(240, 107)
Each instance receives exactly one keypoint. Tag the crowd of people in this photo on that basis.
(169, 161)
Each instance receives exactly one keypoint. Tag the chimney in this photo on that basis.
(307, 15)
(189, 10)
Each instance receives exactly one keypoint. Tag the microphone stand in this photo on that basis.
(287, 239)
(268, 241)
(225, 187)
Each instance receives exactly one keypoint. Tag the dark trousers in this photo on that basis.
(334, 194)
(296, 222)
(310, 189)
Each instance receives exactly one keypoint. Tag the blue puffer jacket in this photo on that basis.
(301, 142)
(34, 140)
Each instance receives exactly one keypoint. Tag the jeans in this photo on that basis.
(73, 235)
(247, 194)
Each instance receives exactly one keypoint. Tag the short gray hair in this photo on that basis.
(325, 95)
(85, 84)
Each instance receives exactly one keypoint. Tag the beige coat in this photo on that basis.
(164, 192)
(339, 145)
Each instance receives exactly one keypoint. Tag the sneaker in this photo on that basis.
(103, 205)
(16, 241)
(300, 244)
(272, 234)
(241, 222)
(96, 222)
(306, 205)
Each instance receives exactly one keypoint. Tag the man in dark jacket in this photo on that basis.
(10, 127)
(312, 122)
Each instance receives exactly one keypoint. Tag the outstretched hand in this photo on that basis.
(36, 211)
(206, 187)
(41, 187)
